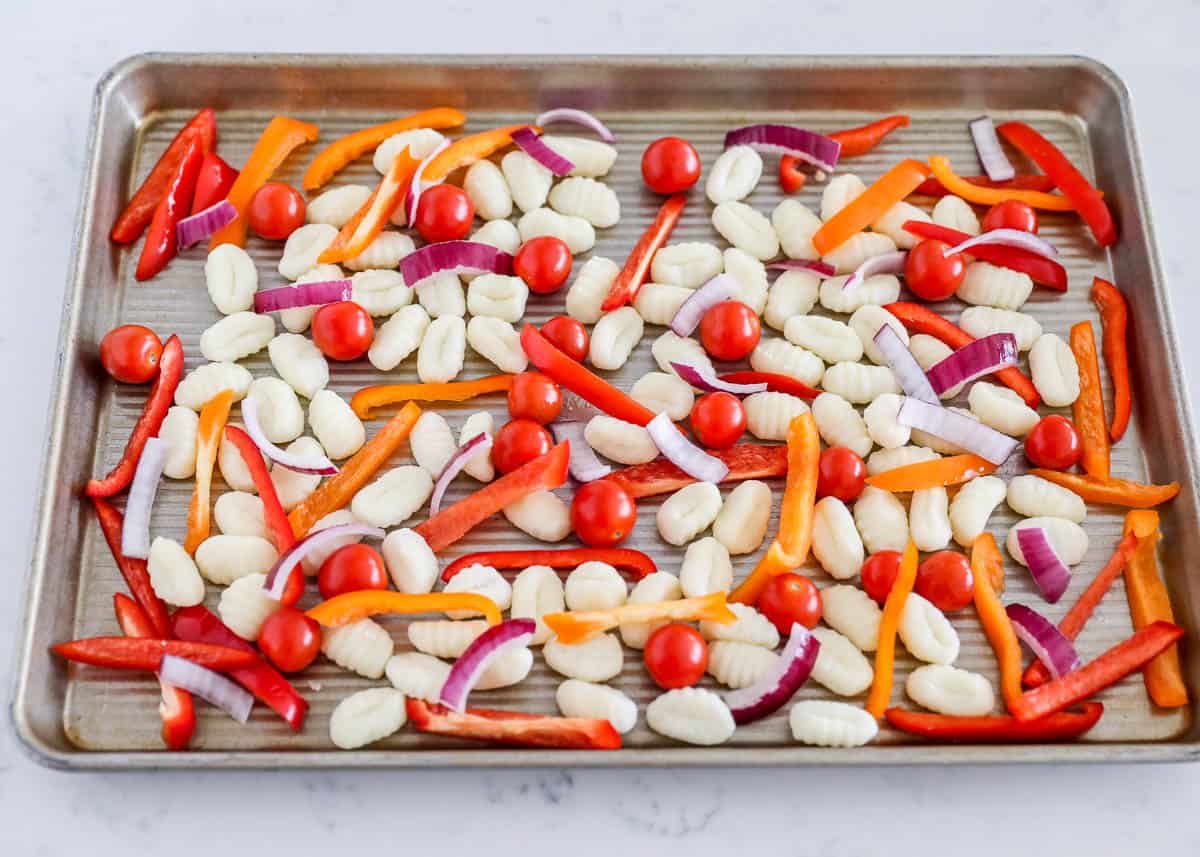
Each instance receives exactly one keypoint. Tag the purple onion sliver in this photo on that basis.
(812, 148)
(702, 380)
(1049, 572)
(1048, 644)
(527, 140)
(885, 263)
(786, 676)
(974, 360)
(483, 651)
(477, 444)
(207, 684)
(472, 257)
(417, 186)
(301, 295)
(135, 534)
(1018, 238)
(318, 465)
(684, 454)
(584, 464)
(822, 268)
(991, 154)
(904, 365)
(576, 117)
(277, 577)
(958, 429)
(195, 228)
(687, 318)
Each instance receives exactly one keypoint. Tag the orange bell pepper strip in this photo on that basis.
(334, 157)
(456, 391)
(575, 627)
(1114, 321)
(890, 188)
(952, 470)
(1111, 491)
(467, 150)
(352, 606)
(959, 186)
(889, 625)
(1088, 409)
(1148, 603)
(361, 229)
(208, 440)
(986, 565)
(339, 489)
(281, 136)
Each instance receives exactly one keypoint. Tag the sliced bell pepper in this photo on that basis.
(334, 157)
(177, 711)
(456, 391)
(1114, 322)
(776, 383)
(209, 430)
(986, 565)
(885, 653)
(339, 489)
(661, 476)
(514, 728)
(467, 150)
(635, 563)
(352, 606)
(213, 184)
(1149, 602)
(138, 213)
(279, 139)
(162, 244)
(890, 188)
(952, 470)
(1083, 196)
(579, 625)
(637, 266)
(1043, 271)
(959, 186)
(920, 319)
(135, 571)
(992, 729)
(544, 473)
(146, 653)
(1111, 491)
(933, 187)
(158, 402)
(375, 213)
(1088, 409)
(860, 140)
(276, 519)
(791, 177)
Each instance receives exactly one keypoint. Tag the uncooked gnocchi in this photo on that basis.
(394, 497)
(337, 206)
(954, 213)
(291, 486)
(986, 284)
(233, 467)
(299, 362)
(542, 514)
(597, 659)
(1002, 409)
(442, 350)
(928, 352)
(822, 723)
(840, 424)
(688, 512)
(622, 442)
(859, 383)
(795, 225)
(239, 513)
(444, 638)
(738, 665)
(872, 291)
(841, 190)
(836, 542)
(236, 336)
(362, 647)
(741, 524)
(792, 294)
(536, 591)
(706, 568)
(831, 340)
(410, 562)
(866, 322)
(882, 417)
(488, 190)
(594, 586)
(501, 234)
(528, 181)
(848, 256)
(417, 674)
(840, 665)
(929, 519)
(245, 605)
(768, 414)
(672, 348)
(223, 559)
(279, 413)
(173, 574)
(746, 229)
(690, 264)
(949, 690)
(734, 175)
(614, 337)
(479, 465)
(881, 520)
(575, 232)
(783, 358)
(480, 580)
(577, 698)
(889, 459)
(441, 295)
(398, 337)
(302, 248)
(432, 442)
(850, 611)
(1055, 371)
(178, 431)
(591, 158)
(926, 632)
(497, 296)
(338, 429)
(750, 627)
(981, 321)
(498, 342)
(594, 201)
(891, 223)
(208, 379)
(663, 393)
(366, 717)
(973, 505)
(1069, 540)
(420, 142)
(380, 292)
(590, 288)
(1033, 496)
(692, 715)
(655, 587)
(657, 303)
(384, 252)
(231, 279)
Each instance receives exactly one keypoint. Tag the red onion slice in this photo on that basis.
(195, 228)
(684, 454)
(958, 429)
(991, 154)
(1049, 572)
(302, 294)
(1043, 638)
(704, 380)
(974, 360)
(527, 140)
(417, 187)
(461, 257)
(885, 263)
(317, 464)
(907, 370)
(278, 576)
(492, 644)
(822, 268)
(773, 690)
(720, 288)
(575, 116)
(480, 443)
(210, 686)
(584, 464)
(1017, 238)
(135, 535)
(816, 149)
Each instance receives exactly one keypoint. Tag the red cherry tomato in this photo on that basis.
(544, 263)
(289, 639)
(945, 580)
(841, 473)
(533, 396)
(1011, 214)
(879, 573)
(930, 273)
(130, 353)
(670, 165)
(788, 598)
(276, 211)
(729, 330)
(1053, 443)
(602, 514)
(718, 419)
(350, 569)
(519, 442)
(444, 213)
(343, 330)
(567, 335)
(676, 656)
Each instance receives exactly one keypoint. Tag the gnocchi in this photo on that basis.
(590, 288)
(1002, 409)
(840, 666)
(1033, 496)
(542, 514)
(986, 284)
(239, 513)
(577, 698)
(223, 559)
(442, 351)
(442, 295)
(768, 414)
(488, 191)
(394, 497)
(950, 690)
(881, 520)
(432, 442)
(659, 586)
(178, 431)
(889, 459)
(859, 383)
(591, 158)
(298, 319)
(236, 336)
(245, 605)
(1069, 540)
(594, 586)
(380, 292)
(420, 142)
(741, 525)
(497, 296)
(528, 181)
(622, 442)
(929, 518)
(891, 223)
(278, 410)
(657, 303)
(508, 669)
(672, 348)
(480, 580)
(928, 352)
(822, 723)
(292, 486)
(417, 674)
(231, 279)
(866, 322)
(973, 505)
(338, 205)
(367, 716)
(498, 342)
(536, 591)
(706, 568)
(739, 665)
(882, 417)
(233, 467)
(579, 196)
(410, 561)
(299, 362)
(795, 225)
(500, 234)
(1055, 371)
(836, 542)
(783, 358)
(954, 212)
(173, 574)
(690, 264)
(734, 175)
(750, 627)
(792, 294)
(596, 660)
(850, 254)
(926, 632)
(363, 647)
(338, 429)
(479, 465)
(575, 232)
(398, 337)
(444, 638)
(614, 337)
(302, 248)
(876, 290)
(663, 393)
(316, 557)
(208, 379)
(384, 252)
(839, 192)
(688, 512)
(750, 277)
(851, 612)
(840, 424)
(981, 321)
(831, 340)
(746, 229)
(691, 715)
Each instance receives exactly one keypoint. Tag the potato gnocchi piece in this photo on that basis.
(850, 611)
(929, 351)
(290, 486)
(510, 668)
(316, 557)
(954, 212)
(480, 580)
(891, 223)
(889, 459)
(442, 295)
(1055, 371)
(299, 362)
(380, 292)
(659, 586)
(363, 647)
(663, 393)
(1002, 409)
(795, 225)
(840, 424)
(497, 296)
(338, 205)
(866, 322)
(831, 340)
(501, 234)
(488, 191)
(881, 520)
(741, 525)
(750, 275)
(208, 379)
(442, 351)
(302, 248)
(223, 559)
(384, 252)
(478, 466)
(338, 429)
(367, 716)
(792, 294)
(236, 336)
(821, 723)
(394, 497)
(444, 638)
(536, 591)
(498, 342)
(577, 698)
(528, 181)
(622, 442)
(690, 264)
(926, 632)
(278, 410)
(591, 158)
(981, 321)
(398, 337)
(231, 279)
(688, 512)
(178, 431)
(841, 190)
(873, 291)
(672, 348)
(432, 442)
(410, 562)
(859, 383)
(542, 514)
(986, 284)
(239, 513)
(1033, 497)
(595, 202)
(657, 303)
(949, 690)
(783, 358)
(1069, 540)
(614, 337)
(836, 542)
(245, 605)
(840, 666)
(746, 229)
(173, 574)
(858, 248)
(750, 627)
(575, 232)
(768, 414)
(882, 417)
(420, 142)
(738, 665)
(594, 586)
(973, 505)
(692, 715)
(298, 319)
(417, 674)
(598, 659)
(232, 466)
(590, 288)
(706, 568)
(734, 175)
(929, 519)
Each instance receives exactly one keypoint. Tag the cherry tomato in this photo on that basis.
(729, 330)
(567, 335)
(130, 353)
(1011, 214)
(1053, 443)
(602, 514)
(879, 572)
(519, 442)
(544, 263)
(788, 598)
(350, 569)
(276, 211)
(676, 656)
(533, 396)
(343, 330)
(444, 213)
(930, 273)
(289, 639)
(945, 580)
(670, 165)
(841, 473)
(718, 419)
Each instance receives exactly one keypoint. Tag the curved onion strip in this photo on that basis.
(885, 263)
(584, 464)
(991, 154)
(135, 534)
(773, 690)
(1043, 638)
(317, 464)
(974, 360)
(816, 149)
(480, 443)
(208, 685)
(1049, 572)
(418, 187)
(278, 576)
(302, 294)
(527, 140)
(489, 646)
(702, 380)
(824, 269)
(958, 429)
(1018, 238)
(462, 257)
(684, 454)
(576, 117)
(907, 370)
(720, 288)
(202, 224)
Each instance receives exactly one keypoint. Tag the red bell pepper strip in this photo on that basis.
(213, 184)
(992, 729)
(1114, 321)
(1149, 602)
(1043, 271)
(920, 319)
(268, 686)
(276, 519)
(146, 653)
(137, 214)
(791, 177)
(890, 188)
(135, 571)
(1083, 196)
(932, 187)
(162, 245)
(208, 441)
(544, 473)
(635, 563)
(637, 267)
(1112, 666)
(158, 402)
(859, 141)
(514, 728)
(176, 709)
(776, 383)
(1111, 491)
(1087, 410)
(661, 476)
(571, 374)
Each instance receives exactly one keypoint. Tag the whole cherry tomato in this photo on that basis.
(1053, 443)
(788, 598)
(289, 639)
(930, 273)
(879, 572)
(718, 419)
(670, 165)
(544, 263)
(945, 580)
(602, 514)
(130, 353)
(1011, 214)
(276, 211)
(444, 213)
(676, 656)
(350, 569)
(519, 442)
(533, 396)
(343, 330)
(567, 335)
(729, 330)
(841, 473)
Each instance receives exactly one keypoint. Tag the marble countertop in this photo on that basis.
(55, 54)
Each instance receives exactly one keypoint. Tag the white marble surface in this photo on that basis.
(53, 56)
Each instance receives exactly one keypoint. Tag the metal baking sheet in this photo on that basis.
(90, 718)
